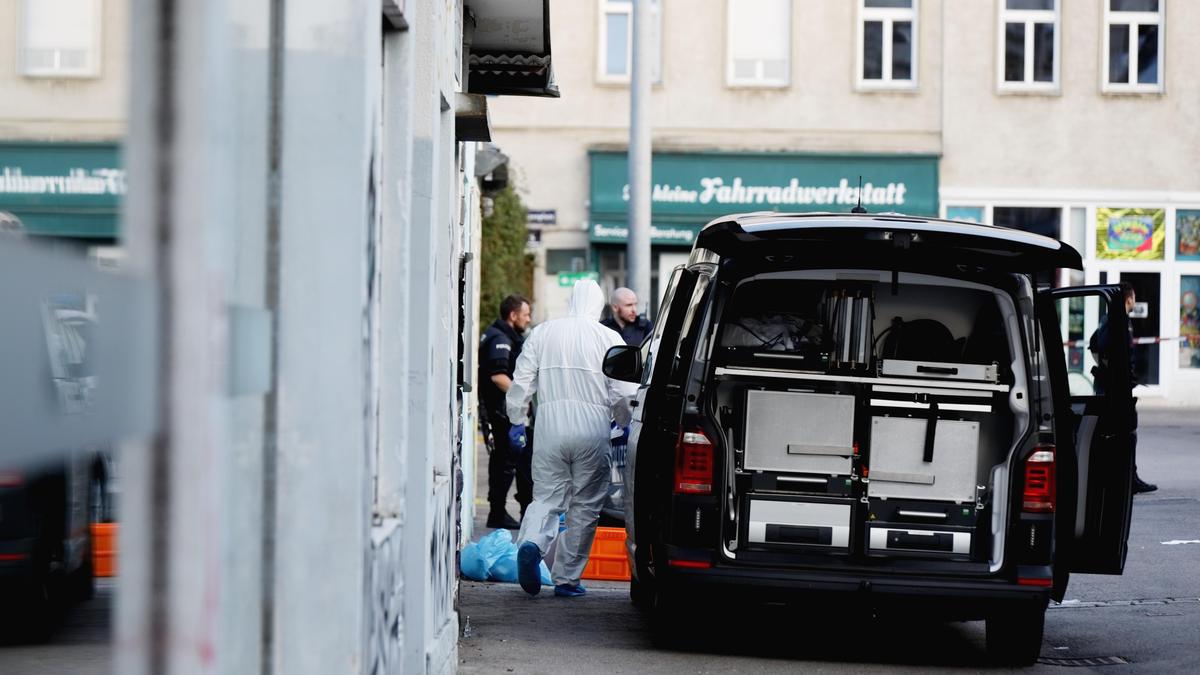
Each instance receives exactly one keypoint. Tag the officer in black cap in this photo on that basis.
(499, 348)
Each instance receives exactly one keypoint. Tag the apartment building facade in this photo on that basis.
(1072, 119)
(63, 111)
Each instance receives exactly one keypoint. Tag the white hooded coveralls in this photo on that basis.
(561, 361)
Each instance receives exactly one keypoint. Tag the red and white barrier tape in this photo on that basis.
(1195, 339)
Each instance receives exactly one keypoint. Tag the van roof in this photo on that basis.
(1000, 247)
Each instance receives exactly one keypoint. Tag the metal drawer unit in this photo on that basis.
(906, 528)
(799, 432)
(934, 370)
(893, 539)
(787, 523)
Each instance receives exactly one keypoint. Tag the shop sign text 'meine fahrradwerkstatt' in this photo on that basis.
(62, 189)
(700, 186)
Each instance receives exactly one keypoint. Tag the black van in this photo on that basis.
(878, 410)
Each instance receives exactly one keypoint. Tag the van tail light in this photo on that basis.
(1039, 481)
(693, 464)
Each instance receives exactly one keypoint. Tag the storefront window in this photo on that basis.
(1043, 221)
(1189, 321)
(1145, 325)
(1130, 234)
(1187, 235)
(970, 214)
(565, 260)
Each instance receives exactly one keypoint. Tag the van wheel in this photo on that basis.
(640, 594)
(665, 618)
(1014, 637)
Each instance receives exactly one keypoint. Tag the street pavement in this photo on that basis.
(1149, 617)
(81, 645)
(1145, 621)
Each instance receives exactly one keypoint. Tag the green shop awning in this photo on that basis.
(63, 189)
(692, 188)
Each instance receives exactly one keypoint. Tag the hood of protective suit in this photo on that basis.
(587, 300)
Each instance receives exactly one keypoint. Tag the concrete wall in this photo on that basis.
(304, 205)
(63, 108)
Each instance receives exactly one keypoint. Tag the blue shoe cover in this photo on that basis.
(528, 572)
(569, 590)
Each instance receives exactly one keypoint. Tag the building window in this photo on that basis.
(759, 43)
(1189, 321)
(1187, 234)
(616, 41)
(565, 260)
(970, 214)
(1133, 46)
(887, 44)
(60, 38)
(1029, 40)
(1043, 221)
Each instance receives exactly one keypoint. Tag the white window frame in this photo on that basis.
(759, 81)
(1029, 17)
(887, 15)
(607, 7)
(91, 70)
(1133, 20)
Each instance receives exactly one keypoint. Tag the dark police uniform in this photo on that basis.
(1098, 346)
(633, 334)
(499, 348)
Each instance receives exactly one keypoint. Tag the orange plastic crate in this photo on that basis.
(104, 549)
(608, 561)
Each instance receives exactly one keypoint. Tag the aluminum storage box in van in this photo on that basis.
(799, 432)
(898, 459)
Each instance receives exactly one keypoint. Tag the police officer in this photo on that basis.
(1098, 345)
(625, 319)
(499, 348)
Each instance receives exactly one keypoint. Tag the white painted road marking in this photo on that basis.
(1176, 542)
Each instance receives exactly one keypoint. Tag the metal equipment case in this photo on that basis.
(799, 432)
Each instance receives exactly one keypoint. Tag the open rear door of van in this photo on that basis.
(1094, 424)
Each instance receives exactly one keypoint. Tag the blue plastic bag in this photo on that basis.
(472, 566)
(494, 558)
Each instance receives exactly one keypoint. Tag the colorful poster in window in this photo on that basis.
(1130, 234)
(1189, 322)
(1187, 235)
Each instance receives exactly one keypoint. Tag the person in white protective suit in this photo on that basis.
(561, 361)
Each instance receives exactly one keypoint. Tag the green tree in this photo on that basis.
(504, 267)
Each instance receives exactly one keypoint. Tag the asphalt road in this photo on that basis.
(81, 645)
(1146, 621)
(1149, 617)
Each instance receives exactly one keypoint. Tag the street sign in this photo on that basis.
(569, 278)
(540, 217)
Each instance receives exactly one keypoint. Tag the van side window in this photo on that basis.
(650, 346)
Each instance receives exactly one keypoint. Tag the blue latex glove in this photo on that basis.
(624, 437)
(516, 437)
